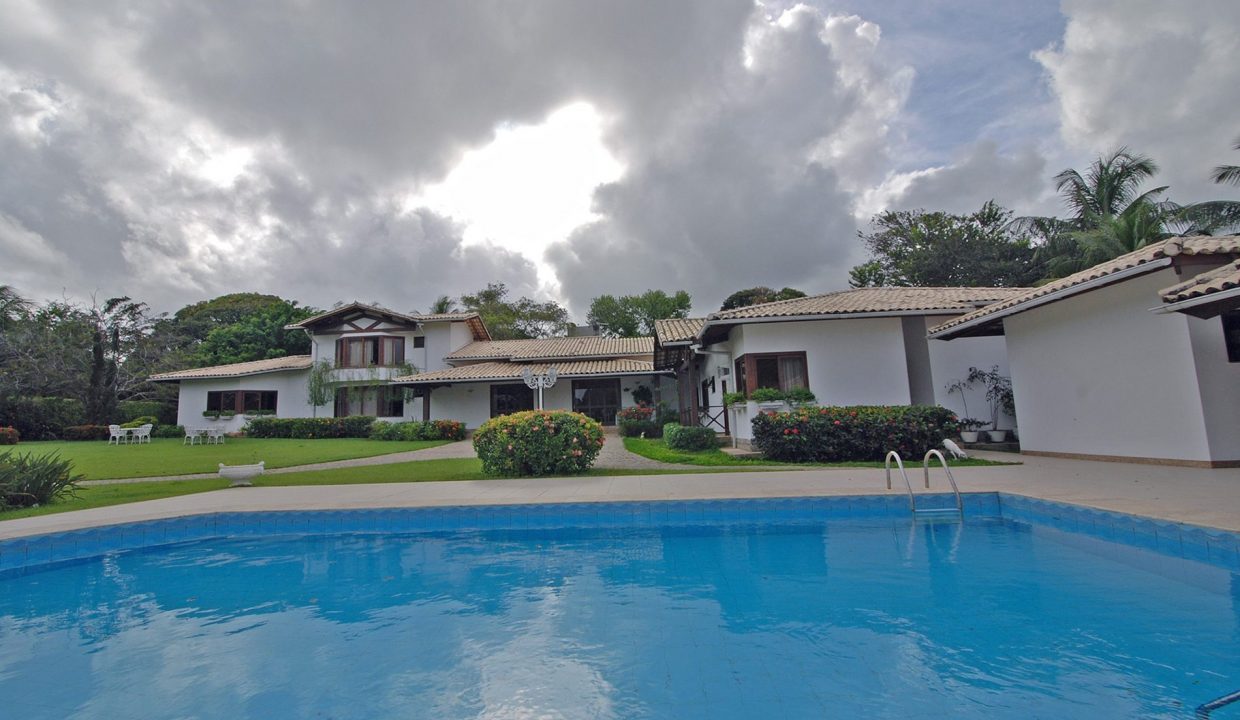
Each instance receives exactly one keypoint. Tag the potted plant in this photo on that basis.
(969, 429)
(800, 396)
(998, 395)
(768, 399)
(211, 414)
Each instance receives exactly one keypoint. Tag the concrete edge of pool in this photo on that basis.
(1210, 546)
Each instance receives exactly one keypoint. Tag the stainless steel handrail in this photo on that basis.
(912, 504)
(1204, 709)
(925, 466)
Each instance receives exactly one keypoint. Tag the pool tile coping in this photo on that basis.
(1207, 545)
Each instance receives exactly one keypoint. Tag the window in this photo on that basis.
(370, 352)
(783, 371)
(1231, 334)
(241, 401)
(419, 341)
(373, 401)
(511, 398)
(600, 399)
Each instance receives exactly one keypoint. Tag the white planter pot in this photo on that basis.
(997, 436)
(969, 436)
(772, 406)
(241, 475)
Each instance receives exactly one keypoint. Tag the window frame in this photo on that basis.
(747, 367)
(386, 399)
(264, 399)
(374, 352)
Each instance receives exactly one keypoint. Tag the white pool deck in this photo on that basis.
(1202, 497)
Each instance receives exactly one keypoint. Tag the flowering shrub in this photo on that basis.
(357, 426)
(538, 442)
(432, 430)
(637, 421)
(8, 436)
(689, 437)
(85, 432)
(859, 432)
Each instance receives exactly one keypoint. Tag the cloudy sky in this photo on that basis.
(397, 151)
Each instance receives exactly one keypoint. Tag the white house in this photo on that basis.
(399, 366)
(865, 346)
(1135, 359)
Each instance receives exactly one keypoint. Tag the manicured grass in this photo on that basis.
(658, 450)
(99, 460)
(414, 471)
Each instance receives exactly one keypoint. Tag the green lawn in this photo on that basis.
(99, 460)
(414, 471)
(658, 450)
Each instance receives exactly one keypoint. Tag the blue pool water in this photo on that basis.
(782, 616)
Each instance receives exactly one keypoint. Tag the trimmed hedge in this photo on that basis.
(130, 410)
(86, 432)
(40, 418)
(689, 437)
(168, 431)
(8, 436)
(140, 421)
(859, 432)
(538, 442)
(357, 426)
(416, 430)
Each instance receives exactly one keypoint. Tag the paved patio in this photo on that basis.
(1205, 497)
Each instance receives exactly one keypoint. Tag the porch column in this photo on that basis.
(426, 403)
(695, 417)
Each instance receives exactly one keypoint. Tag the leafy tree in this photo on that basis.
(524, 318)
(119, 355)
(758, 295)
(919, 248)
(196, 321)
(635, 315)
(258, 335)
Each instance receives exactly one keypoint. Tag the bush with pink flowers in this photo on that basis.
(858, 432)
(538, 442)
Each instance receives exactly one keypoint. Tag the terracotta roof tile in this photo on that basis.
(1207, 283)
(481, 372)
(1225, 245)
(553, 348)
(678, 330)
(876, 300)
(256, 367)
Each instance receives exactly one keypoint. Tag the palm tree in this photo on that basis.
(1109, 187)
(443, 304)
(1227, 174)
(12, 305)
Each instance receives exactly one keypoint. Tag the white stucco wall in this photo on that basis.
(1099, 374)
(471, 402)
(1219, 383)
(291, 400)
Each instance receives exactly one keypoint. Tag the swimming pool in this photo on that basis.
(822, 607)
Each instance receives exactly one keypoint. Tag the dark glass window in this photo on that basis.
(511, 398)
(241, 400)
(371, 401)
(600, 399)
(370, 352)
(783, 371)
(419, 341)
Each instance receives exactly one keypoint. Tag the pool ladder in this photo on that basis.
(925, 466)
(1204, 710)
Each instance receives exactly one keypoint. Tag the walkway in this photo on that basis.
(1206, 497)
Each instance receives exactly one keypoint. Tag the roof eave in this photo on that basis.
(411, 380)
(962, 329)
(1202, 306)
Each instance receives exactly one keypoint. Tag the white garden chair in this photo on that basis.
(142, 433)
(116, 434)
(215, 436)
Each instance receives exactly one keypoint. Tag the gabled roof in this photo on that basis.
(556, 348)
(871, 301)
(1138, 262)
(337, 315)
(491, 371)
(255, 367)
(676, 331)
(1205, 295)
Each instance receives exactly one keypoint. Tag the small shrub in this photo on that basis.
(85, 432)
(168, 431)
(415, 430)
(689, 437)
(139, 422)
(638, 421)
(801, 396)
(768, 395)
(734, 398)
(29, 479)
(861, 432)
(538, 442)
(40, 418)
(8, 436)
(357, 426)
